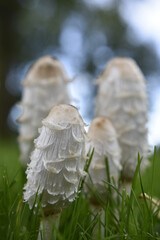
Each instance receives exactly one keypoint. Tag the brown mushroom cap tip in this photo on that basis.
(64, 113)
(101, 127)
(46, 67)
(125, 67)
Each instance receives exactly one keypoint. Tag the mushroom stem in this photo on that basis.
(47, 226)
(127, 185)
(155, 202)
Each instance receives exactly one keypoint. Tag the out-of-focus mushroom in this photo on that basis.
(57, 161)
(45, 85)
(102, 138)
(122, 97)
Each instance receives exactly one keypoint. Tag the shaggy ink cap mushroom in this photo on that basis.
(122, 96)
(45, 85)
(103, 138)
(57, 162)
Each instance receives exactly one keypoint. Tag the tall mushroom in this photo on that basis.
(45, 86)
(57, 161)
(102, 138)
(122, 97)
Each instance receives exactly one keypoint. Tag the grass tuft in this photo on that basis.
(119, 215)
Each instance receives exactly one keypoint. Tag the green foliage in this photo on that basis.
(117, 215)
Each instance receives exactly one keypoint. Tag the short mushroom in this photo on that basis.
(103, 139)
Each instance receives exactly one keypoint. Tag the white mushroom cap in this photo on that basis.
(45, 86)
(58, 160)
(122, 97)
(102, 137)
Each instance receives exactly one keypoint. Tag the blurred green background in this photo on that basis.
(84, 35)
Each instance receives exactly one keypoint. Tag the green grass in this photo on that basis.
(121, 216)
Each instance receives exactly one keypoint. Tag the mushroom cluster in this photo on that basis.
(118, 132)
(45, 85)
(122, 97)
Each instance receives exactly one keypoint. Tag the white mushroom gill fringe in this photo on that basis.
(56, 166)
